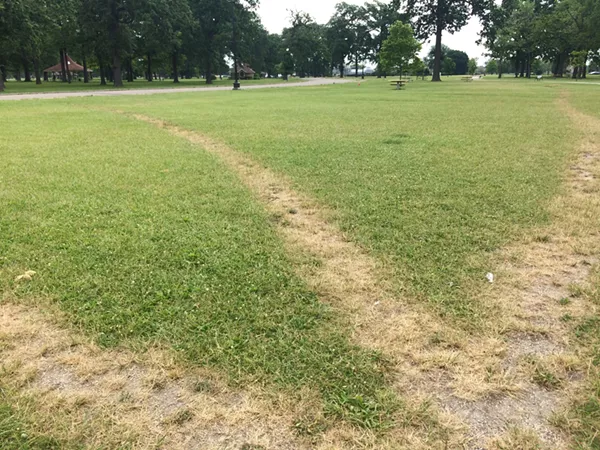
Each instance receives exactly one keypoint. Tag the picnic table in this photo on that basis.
(467, 79)
(398, 83)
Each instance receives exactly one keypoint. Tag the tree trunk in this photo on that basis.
(499, 68)
(528, 65)
(26, 70)
(3, 73)
(2, 84)
(522, 71)
(46, 76)
(130, 70)
(559, 66)
(63, 69)
(86, 75)
(342, 70)
(116, 69)
(208, 73)
(149, 68)
(356, 66)
(583, 70)
(36, 68)
(575, 72)
(175, 68)
(209, 64)
(102, 75)
(69, 74)
(437, 60)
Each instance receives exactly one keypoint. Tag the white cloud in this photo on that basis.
(275, 16)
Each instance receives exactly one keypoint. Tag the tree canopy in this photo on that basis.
(522, 32)
(129, 39)
(399, 49)
(433, 17)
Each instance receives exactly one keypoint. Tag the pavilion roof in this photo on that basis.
(72, 66)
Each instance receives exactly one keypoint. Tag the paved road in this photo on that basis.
(584, 83)
(110, 93)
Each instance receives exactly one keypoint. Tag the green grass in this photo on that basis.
(431, 179)
(15, 435)
(16, 87)
(142, 237)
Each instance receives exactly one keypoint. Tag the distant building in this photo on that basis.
(245, 72)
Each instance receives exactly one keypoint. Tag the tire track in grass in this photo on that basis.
(349, 280)
(495, 386)
(540, 282)
(430, 358)
(506, 381)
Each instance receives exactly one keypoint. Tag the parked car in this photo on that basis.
(595, 73)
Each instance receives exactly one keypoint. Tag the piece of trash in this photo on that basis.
(27, 276)
(490, 277)
(377, 303)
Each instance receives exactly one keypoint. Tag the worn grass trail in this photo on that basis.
(489, 381)
(497, 378)
(345, 276)
(142, 240)
(539, 286)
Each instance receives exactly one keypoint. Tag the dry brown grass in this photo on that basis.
(537, 290)
(111, 398)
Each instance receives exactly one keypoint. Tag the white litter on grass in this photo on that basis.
(490, 277)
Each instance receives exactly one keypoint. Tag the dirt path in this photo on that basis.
(113, 93)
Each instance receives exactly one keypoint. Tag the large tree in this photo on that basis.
(160, 27)
(340, 34)
(436, 16)
(304, 43)
(216, 23)
(113, 20)
(380, 17)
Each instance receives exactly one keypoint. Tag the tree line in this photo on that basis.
(528, 36)
(122, 39)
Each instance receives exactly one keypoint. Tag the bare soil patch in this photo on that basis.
(111, 398)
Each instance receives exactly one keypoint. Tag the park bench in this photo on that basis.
(398, 83)
(467, 79)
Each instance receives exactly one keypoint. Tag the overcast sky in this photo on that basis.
(275, 16)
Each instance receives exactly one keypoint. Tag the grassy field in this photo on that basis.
(138, 243)
(16, 87)
(143, 239)
(431, 186)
